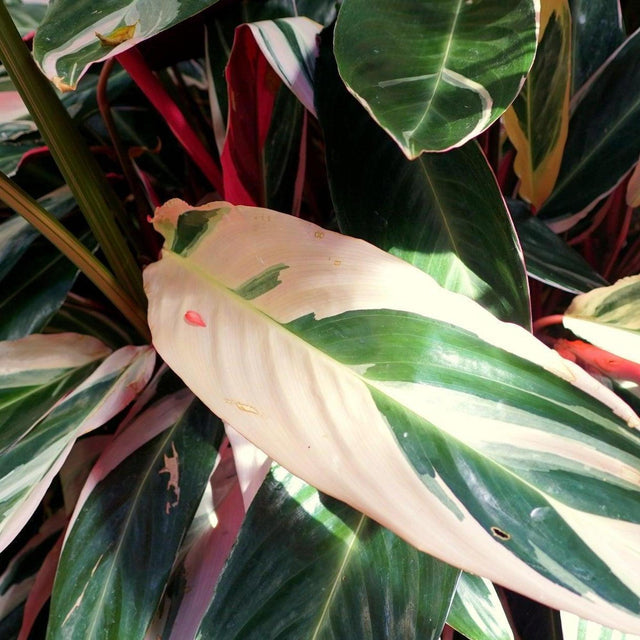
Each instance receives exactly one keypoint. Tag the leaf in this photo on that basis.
(530, 619)
(205, 550)
(476, 611)
(36, 288)
(307, 566)
(66, 43)
(51, 392)
(144, 490)
(573, 628)
(597, 31)
(442, 213)
(355, 371)
(538, 120)
(26, 15)
(435, 74)
(550, 259)
(609, 317)
(289, 46)
(633, 188)
(604, 137)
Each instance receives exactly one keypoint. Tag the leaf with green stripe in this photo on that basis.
(476, 611)
(609, 317)
(421, 67)
(133, 513)
(26, 15)
(464, 435)
(538, 120)
(74, 34)
(443, 212)
(307, 566)
(573, 628)
(53, 389)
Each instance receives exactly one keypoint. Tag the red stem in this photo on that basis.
(153, 89)
(546, 321)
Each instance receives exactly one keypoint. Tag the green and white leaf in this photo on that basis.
(573, 628)
(289, 45)
(307, 566)
(53, 389)
(476, 611)
(609, 317)
(354, 370)
(442, 212)
(26, 15)
(67, 42)
(419, 67)
(113, 570)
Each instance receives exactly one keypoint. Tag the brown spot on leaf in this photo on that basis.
(500, 534)
(117, 36)
(173, 483)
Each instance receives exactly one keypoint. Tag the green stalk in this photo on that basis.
(72, 248)
(97, 201)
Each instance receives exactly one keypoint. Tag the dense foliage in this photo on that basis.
(320, 320)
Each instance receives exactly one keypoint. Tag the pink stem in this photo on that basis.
(302, 167)
(547, 321)
(153, 89)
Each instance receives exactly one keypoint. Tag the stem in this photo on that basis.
(92, 192)
(547, 321)
(155, 92)
(80, 256)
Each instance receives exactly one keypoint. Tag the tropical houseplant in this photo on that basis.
(330, 407)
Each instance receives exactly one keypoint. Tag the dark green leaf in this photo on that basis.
(309, 567)
(435, 73)
(442, 212)
(550, 259)
(122, 544)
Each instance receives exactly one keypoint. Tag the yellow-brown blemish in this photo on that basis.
(117, 36)
(61, 85)
(337, 263)
(173, 483)
(319, 234)
(242, 406)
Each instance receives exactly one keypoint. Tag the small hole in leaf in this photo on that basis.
(500, 534)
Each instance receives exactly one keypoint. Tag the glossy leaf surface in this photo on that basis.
(549, 258)
(69, 38)
(538, 120)
(308, 566)
(476, 611)
(51, 393)
(597, 31)
(255, 310)
(442, 213)
(131, 518)
(609, 317)
(604, 137)
(420, 68)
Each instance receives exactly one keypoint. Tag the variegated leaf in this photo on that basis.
(419, 67)
(573, 628)
(289, 45)
(150, 480)
(609, 317)
(538, 120)
(74, 35)
(53, 389)
(476, 611)
(357, 372)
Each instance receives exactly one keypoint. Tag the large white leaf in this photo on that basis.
(357, 372)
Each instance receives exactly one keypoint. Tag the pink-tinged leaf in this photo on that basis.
(39, 440)
(252, 464)
(41, 590)
(252, 85)
(150, 479)
(11, 106)
(205, 551)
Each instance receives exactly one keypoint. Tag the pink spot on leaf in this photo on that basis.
(194, 318)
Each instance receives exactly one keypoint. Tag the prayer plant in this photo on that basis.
(319, 320)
